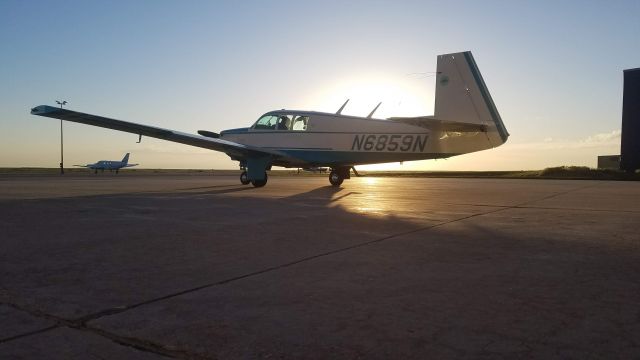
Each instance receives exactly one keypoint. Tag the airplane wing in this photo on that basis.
(230, 148)
(440, 125)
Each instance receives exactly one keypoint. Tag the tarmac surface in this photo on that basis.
(148, 267)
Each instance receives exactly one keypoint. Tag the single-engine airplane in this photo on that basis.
(465, 120)
(109, 164)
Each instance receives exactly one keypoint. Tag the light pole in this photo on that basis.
(61, 103)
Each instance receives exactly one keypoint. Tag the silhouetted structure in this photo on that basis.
(630, 143)
(609, 162)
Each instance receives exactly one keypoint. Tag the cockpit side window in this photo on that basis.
(299, 123)
(267, 122)
(284, 122)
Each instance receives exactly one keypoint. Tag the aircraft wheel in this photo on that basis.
(335, 179)
(244, 178)
(260, 183)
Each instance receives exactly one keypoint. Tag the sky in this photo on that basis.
(554, 70)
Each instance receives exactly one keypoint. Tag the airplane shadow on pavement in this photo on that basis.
(232, 272)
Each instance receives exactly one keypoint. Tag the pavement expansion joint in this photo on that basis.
(142, 345)
(29, 333)
(576, 209)
(560, 193)
(58, 322)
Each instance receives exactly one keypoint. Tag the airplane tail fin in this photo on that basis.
(125, 159)
(463, 97)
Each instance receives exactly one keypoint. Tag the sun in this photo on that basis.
(400, 96)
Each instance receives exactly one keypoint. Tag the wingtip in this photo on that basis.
(42, 109)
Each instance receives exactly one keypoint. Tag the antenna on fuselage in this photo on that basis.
(342, 107)
(374, 110)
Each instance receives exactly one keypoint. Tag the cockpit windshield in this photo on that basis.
(267, 122)
(282, 122)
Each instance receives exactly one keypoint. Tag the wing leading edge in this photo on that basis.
(232, 149)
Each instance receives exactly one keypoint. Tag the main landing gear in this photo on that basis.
(260, 183)
(244, 180)
(335, 179)
(337, 175)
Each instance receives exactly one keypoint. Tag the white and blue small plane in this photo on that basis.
(109, 164)
(465, 120)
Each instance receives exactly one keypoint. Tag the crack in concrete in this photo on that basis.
(138, 344)
(546, 208)
(35, 313)
(142, 345)
(29, 333)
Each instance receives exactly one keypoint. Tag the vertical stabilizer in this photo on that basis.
(462, 96)
(125, 159)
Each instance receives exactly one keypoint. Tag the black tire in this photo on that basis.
(244, 178)
(335, 179)
(259, 183)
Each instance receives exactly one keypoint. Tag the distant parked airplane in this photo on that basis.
(109, 165)
(465, 120)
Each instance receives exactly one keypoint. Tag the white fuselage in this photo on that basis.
(330, 139)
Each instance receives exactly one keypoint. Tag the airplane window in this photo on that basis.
(300, 123)
(267, 122)
(283, 122)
